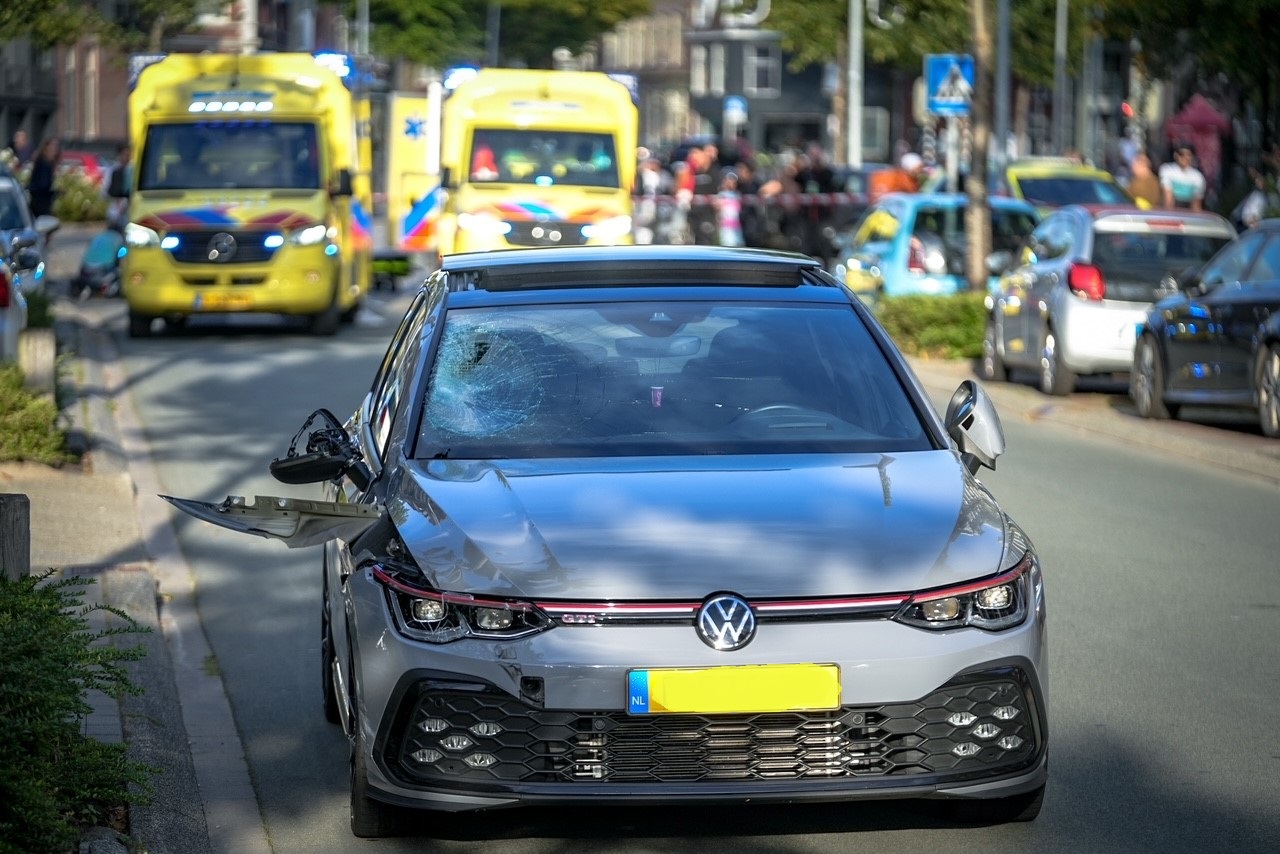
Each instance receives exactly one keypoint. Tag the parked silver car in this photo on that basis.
(663, 524)
(23, 236)
(13, 314)
(1069, 305)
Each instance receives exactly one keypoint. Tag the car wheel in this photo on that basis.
(139, 325)
(1146, 383)
(327, 659)
(349, 316)
(1268, 380)
(1055, 377)
(1024, 807)
(992, 368)
(370, 818)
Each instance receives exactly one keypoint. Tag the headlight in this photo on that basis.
(140, 236)
(1000, 602)
(486, 225)
(309, 236)
(613, 228)
(435, 616)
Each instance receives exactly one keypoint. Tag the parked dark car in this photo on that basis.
(1217, 340)
(663, 524)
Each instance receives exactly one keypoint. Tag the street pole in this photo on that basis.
(1002, 85)
(1060, 79)
(853, 98)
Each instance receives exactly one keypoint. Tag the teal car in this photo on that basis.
(917, 243)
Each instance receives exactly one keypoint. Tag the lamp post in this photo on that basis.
(853, 98)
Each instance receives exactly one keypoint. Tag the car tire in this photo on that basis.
(1267, 378)
(1146, 382)
(327, 658)
(1015, 808)
(139, 325)
(1055, 377)
(370, 818)
(992, 367)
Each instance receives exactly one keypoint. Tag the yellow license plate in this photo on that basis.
(734, 689)
(223, 302)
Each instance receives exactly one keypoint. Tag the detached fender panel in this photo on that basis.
(298, 522)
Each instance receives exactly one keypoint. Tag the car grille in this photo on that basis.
(968, 728)
(546, 234)
(193, 247)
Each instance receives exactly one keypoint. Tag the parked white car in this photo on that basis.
(1070, 303)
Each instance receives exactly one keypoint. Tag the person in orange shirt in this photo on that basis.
(906, 178)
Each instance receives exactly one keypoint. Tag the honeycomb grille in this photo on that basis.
(193, 247)
(488, 737)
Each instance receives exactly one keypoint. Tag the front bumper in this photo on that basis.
(295, 281)
(478, 724)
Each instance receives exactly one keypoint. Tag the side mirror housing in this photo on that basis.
(446, 178)
(974, 424)
(342, 184)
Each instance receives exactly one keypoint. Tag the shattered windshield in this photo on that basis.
(661, 378)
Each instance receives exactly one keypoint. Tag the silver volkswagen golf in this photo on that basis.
(662, 524)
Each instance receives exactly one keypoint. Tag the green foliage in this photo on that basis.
(78, 199)
(29, 428)
(54, 780)
(947, 327)
(49, 22)
(816, 31)
(39, 310)
(447, 32)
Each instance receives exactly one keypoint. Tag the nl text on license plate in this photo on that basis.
(734, 689)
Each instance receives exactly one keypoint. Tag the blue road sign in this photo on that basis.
(949, 81)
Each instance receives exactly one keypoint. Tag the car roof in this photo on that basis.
(1052, 167)
(958, 199)
(1133, 213)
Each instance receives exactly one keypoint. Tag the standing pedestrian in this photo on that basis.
(1183, 184)
(40, 190)
(1143, 183)
(729, 210)
(21, 147)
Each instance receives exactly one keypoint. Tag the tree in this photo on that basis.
(445, 32)
(49, 22)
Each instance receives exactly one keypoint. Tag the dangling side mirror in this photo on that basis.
(342, 184)
(974, 424)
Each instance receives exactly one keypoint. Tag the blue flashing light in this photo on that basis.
(339, 63)
(170, 242)
(457, 75)
(331, 250)
(273, 241)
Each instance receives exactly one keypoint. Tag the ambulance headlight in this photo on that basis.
(139, 236)
(486, 225)
(613, 228)
(309, 236)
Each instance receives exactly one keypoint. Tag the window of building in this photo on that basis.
(698, 70)
(716, 69)
(762, 71)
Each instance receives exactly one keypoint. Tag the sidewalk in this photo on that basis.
(84, 522)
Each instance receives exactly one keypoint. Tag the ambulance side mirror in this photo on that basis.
(342, 184)
(446, 178)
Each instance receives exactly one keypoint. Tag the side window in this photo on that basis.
(387, 389)
(1038, 243)
(1058, 239)
(1229, 264)
(1267, 266)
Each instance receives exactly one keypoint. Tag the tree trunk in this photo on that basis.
(979, 223)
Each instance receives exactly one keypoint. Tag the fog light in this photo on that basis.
(481, 760)
(961, 719)
(485, 728)
(986, 731)
(967, 749)
(456, 742)
(1005, 713)
(493, 619)
(1010, 742)
(426, 755)
(427, 610)
(995, 598)
(940, 610)
(433, 725)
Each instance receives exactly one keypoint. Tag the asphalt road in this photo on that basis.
(1159, 542)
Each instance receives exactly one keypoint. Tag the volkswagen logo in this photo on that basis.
(222, 247)
(726, 622)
